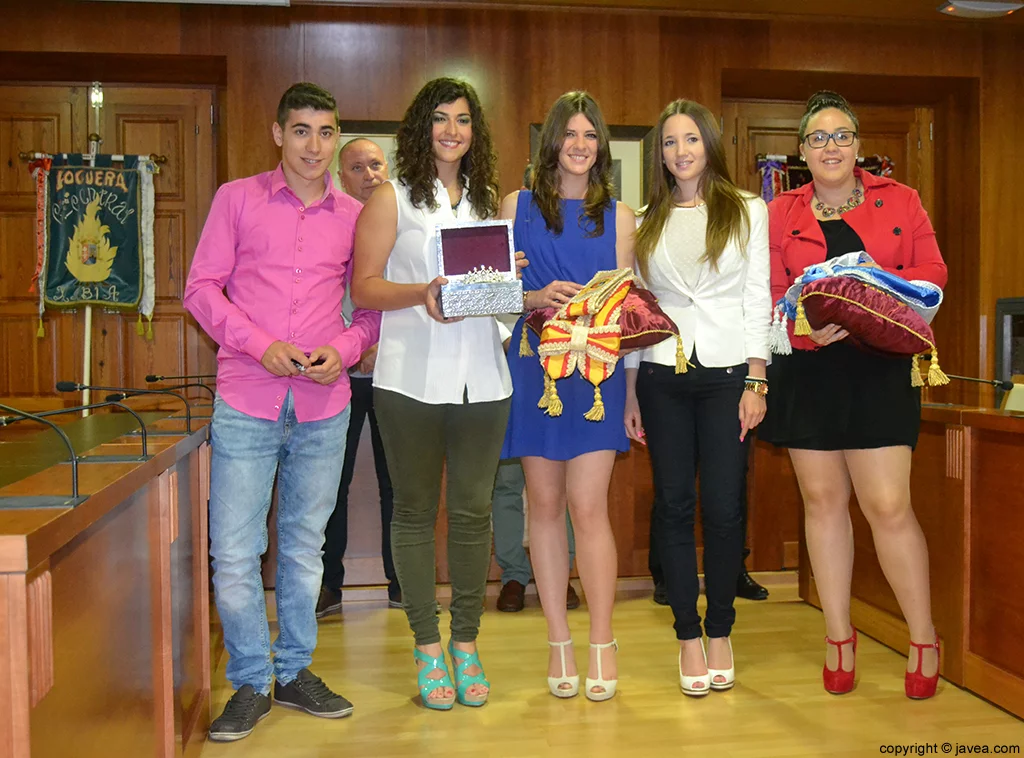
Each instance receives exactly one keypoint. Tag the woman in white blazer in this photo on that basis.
(702, 249)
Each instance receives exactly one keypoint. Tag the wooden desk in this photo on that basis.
(104, 608)
(967, 486)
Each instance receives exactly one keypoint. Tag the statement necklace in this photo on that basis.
(854, 200)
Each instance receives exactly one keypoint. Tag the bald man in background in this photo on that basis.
(362, 167)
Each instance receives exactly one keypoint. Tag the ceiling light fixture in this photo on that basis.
(972, 9)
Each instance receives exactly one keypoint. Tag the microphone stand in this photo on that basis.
(6, 421)
(120, 393)
(46, 501)
(126, 393)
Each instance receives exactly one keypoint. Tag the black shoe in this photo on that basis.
(243, 711)
(329, 602)
(309, 693)
(394, 594)
(749, 589)
(660, 594)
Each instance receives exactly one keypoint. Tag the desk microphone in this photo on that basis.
(122, 392)
(8, 420)
(200, 385)
(63, 436)
(1002, 384)
(150, 378)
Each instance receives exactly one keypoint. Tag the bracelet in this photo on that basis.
(525, 293)
(756, 379)
(757, 386)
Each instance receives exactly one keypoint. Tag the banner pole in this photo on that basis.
(89, 160)
(96, 101)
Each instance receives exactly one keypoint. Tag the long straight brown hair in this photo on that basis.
(546, 181)
(728, 217)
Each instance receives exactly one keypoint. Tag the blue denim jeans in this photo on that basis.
(307, 458)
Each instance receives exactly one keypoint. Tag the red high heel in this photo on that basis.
(838, 681)
(917, 685)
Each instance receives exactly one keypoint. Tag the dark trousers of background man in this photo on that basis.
(336, 535)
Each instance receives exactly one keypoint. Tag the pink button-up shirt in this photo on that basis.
(285, 267)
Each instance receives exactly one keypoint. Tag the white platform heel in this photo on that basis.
(688, 684)
(609, 685)
(555, 682)
(729, 674)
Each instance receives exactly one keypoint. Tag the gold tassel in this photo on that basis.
(40, 332)
(681, 361)
(138, 326)
(596, 413)
(936, 376)
(149, 330)
(543, 402)
(801, 328)
(525, 351)
(554, 402)
(915, 372)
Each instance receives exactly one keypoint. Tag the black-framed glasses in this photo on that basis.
(818, 140)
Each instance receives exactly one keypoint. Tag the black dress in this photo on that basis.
(840, 397)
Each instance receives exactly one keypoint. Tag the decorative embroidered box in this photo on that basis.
(478, 260)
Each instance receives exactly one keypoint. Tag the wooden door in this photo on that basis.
(32, 119)
(174, 123)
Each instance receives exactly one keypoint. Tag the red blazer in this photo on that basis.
(890, 221)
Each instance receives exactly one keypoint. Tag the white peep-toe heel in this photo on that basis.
(609, 685)
(688, 684)
(555, 682)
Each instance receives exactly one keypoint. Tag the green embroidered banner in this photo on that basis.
(93, 255)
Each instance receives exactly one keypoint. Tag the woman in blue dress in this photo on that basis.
(570, 227)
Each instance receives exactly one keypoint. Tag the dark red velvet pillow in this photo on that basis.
(875, 319)
(642, 320)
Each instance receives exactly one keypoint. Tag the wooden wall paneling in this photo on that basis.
(949, 50)
(1002, 248)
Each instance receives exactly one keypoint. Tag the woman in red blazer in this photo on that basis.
(849, 418)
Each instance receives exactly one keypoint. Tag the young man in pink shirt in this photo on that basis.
(266, 284)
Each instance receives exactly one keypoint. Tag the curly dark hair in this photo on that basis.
(546, 181)
(414, 154)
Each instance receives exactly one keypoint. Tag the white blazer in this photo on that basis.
(725, 317)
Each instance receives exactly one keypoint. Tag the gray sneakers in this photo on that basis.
(241, 714)
(307, 692)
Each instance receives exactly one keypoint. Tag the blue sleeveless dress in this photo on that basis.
(571, 257)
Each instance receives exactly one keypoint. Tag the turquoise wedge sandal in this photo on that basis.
(428, 685)
(463, 661)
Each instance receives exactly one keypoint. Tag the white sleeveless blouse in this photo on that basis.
(421, 358)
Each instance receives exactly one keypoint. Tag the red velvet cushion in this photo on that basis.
(642, 320)
(875, 319)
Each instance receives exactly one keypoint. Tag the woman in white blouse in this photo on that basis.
(441, 386)
(702, 249)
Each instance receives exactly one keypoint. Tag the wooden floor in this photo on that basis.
(778, 707)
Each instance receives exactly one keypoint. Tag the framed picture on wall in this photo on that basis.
(631, 148)
(381, 132)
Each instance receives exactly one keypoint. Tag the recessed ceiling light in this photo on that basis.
(972, 9)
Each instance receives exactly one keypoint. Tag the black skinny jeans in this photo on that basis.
(692, 420)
